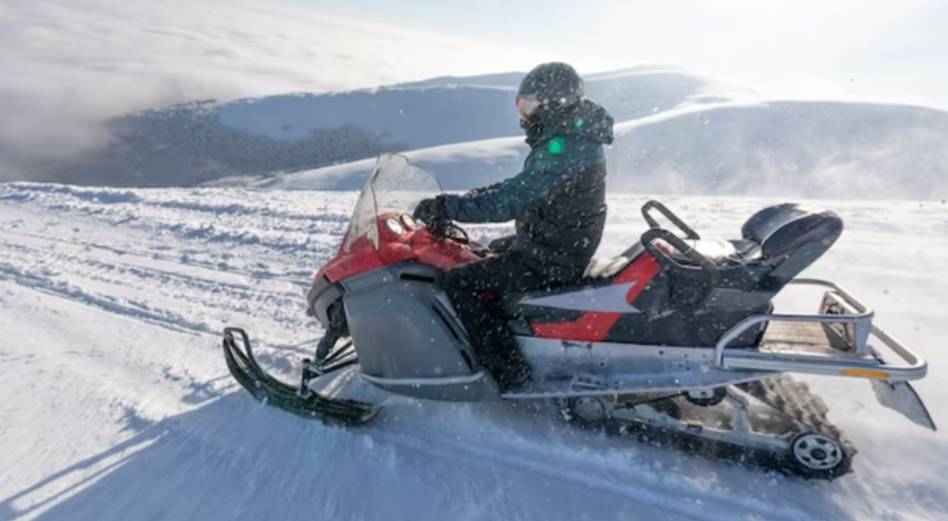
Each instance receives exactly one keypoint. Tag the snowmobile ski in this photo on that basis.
(298, 400)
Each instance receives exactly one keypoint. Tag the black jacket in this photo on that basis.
(558, 200)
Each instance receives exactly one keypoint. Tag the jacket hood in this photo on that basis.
(585, 119)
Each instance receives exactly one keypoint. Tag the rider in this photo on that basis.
(558, 202)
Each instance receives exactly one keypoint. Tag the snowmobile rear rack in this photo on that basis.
(834, 342)
(298, 400)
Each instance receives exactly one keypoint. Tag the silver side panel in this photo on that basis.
(408, 339)
(469, 388)
(563, 368)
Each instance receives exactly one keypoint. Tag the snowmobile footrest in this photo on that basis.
(298, 400)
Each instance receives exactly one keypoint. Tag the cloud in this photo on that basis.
(70, 65)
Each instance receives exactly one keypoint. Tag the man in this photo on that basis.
(558, 202)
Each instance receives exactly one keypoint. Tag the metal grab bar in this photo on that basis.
(648, 206)
(753, 320)
(851, 300)
(702, 262)
(916, 367)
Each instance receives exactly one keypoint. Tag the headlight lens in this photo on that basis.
(394, 226)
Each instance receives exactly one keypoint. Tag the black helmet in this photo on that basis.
(554, 84)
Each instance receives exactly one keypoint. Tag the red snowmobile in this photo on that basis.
(677, 338)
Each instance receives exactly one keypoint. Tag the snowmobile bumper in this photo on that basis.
(298, 400)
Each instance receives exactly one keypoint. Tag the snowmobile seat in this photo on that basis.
(776, 244)
(791, 237)
(604, 268)
(786, 238)
(725, 280)
(723, 251)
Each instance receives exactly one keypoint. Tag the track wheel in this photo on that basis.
(587, 411)
(706, 397)
(817, 456)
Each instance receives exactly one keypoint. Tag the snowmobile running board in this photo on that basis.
(298, 400)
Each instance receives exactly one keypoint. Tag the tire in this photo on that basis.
(588, 412)
(717, 396)
(812, 455)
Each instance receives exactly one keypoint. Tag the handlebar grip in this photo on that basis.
(438, 228)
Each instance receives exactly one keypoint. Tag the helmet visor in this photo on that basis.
(527, 105)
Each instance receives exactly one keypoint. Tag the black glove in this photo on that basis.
(501, 245)
(431, 210)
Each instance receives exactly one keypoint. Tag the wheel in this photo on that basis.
(817, 456)
(587, 411)
(706, 397)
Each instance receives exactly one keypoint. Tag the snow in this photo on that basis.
(676, 132)
(787, 148)
(118, 404)
(453, 110)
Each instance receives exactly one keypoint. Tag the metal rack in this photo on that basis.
(834, 341)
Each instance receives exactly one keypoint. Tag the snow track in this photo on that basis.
(118, 404)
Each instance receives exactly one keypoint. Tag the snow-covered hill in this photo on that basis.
(802, 149)
(455, 110)
(677, 133)
(117, 403)
(201, 141)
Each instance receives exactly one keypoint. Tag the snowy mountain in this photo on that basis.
(677, 133)
(790, 149)
(455, 110)
(197, 142)
(118, 404)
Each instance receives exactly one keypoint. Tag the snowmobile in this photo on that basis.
(675, 339)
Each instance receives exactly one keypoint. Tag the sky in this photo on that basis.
(838, 49)
(68, 65)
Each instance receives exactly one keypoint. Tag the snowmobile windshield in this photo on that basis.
(395, 186)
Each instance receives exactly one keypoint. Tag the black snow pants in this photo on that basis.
(476, 290)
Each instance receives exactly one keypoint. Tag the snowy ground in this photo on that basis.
(118, 404)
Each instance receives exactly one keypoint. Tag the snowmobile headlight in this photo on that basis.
(394, 226)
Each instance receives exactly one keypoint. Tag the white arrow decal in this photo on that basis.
(603, 298)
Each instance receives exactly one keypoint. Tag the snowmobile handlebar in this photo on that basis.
(437, 227)
(443, 229)
(653, 223)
